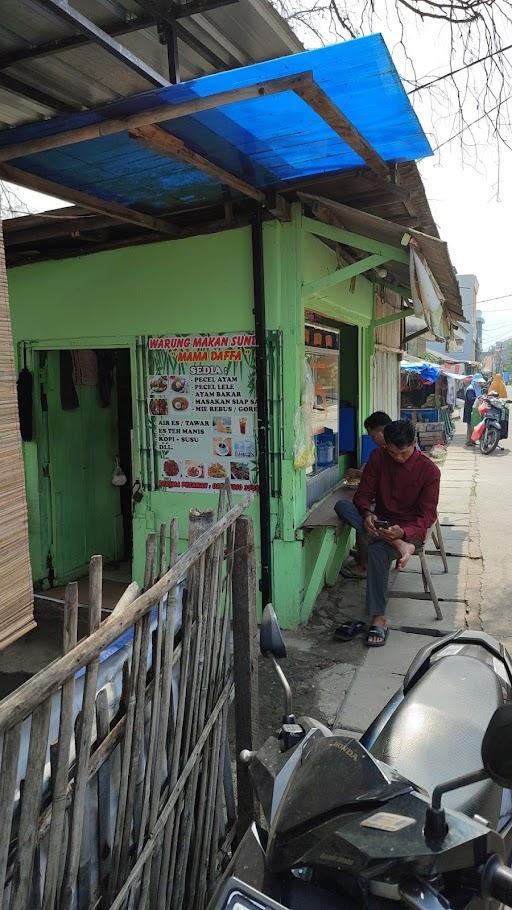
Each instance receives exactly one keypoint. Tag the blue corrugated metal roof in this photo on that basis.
(267, 141)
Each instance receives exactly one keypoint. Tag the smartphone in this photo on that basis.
(381, 525)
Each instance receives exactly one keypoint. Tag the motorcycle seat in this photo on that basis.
(436, 733)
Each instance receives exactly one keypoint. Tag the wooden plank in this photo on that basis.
(158, 114)
(84, 741)
(163, 143)
(119, 212)
(10, 755)
(103, 779)
(358, 241)
(31, 804)
(21, 702)
(320, 102)
(62, 756)
(344, 274)
(245, 667)
(173, 794)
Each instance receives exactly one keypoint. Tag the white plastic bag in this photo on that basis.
(119, 478)
(304, 454)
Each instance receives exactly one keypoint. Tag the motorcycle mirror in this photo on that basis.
(271, 639)
(497, 747)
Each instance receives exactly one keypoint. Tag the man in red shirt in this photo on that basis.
(400, 486)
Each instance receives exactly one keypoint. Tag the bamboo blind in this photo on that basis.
(16, 596)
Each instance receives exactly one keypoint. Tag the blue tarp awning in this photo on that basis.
(268, 141)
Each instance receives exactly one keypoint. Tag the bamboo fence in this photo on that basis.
(16, 597)
(137, 810)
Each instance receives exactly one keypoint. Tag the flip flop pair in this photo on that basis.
(350, 630)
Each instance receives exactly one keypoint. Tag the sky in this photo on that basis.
(469, 189)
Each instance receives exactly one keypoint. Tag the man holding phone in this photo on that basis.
(397, 505)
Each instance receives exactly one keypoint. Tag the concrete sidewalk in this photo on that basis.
(347, 684)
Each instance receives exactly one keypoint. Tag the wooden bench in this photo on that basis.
(327, 567)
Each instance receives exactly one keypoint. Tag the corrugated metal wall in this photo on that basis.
(386, 357)
(386, 383)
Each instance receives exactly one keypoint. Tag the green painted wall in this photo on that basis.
(201, 284)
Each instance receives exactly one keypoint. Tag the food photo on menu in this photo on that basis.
(240, 471)
(194, 469)
(217, 471)
(180, 403)
(171, 468)
(245, 448)
(222, 445)
(178, 384)
(158, 407)
(158, 384)
(222, 424)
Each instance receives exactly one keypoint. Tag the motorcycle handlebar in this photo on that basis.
(497, 881)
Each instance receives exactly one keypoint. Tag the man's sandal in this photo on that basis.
(380, 632)
(348, 630)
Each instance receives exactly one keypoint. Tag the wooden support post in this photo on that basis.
(344, 274)
(245, 663)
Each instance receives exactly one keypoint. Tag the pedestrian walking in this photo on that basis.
(473, 391)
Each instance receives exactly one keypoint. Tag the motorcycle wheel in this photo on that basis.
(489, 440)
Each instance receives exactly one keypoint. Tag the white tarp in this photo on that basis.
(427, 299)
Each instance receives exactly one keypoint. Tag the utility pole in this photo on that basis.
(499, 356)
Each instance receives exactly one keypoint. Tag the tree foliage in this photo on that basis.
(469, 83)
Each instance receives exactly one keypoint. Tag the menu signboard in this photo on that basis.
(202, 406)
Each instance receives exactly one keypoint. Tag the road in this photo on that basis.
(494, 515)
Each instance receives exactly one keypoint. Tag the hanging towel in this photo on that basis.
(68, 396)
(25, 390)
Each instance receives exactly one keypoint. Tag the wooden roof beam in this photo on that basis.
(161, 142)
(320, 102)
(119, 212)
(156, 115)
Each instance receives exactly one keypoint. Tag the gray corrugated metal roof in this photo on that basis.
(244, 32)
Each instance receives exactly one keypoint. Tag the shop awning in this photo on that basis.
(429, 372)
(243, 132)
(434, 251)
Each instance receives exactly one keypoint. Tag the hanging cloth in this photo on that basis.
(106, 364)
(497, 385)
(68, 396)
(25, 396)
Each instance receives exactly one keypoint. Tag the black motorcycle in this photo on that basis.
(495, 425)
(416, 813)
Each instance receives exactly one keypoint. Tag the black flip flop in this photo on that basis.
(348, 630)
(380, 632)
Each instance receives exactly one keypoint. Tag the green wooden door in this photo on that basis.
(82, 450)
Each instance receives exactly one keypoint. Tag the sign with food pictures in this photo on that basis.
(202, 410)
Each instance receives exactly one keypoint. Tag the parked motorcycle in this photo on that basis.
(417, 813)
(495, 421)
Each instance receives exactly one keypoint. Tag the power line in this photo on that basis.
(489, 299)
(466, 66)
(468, 125)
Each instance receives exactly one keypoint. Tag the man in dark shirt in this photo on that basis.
(399, 485)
